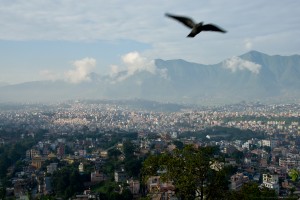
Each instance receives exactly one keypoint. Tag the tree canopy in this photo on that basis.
(190, 170)
(199, 173)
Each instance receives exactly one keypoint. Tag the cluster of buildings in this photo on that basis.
(266, 161)
(80, 117)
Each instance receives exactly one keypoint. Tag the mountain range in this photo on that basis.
(253, 76)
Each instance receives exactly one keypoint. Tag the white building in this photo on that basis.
(120, 176)
(271, 181)
(81, 167)
(269, 143)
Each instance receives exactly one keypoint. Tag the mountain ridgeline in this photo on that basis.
(253, 76)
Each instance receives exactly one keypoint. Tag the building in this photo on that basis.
(60, 150)
(37, 161)
(52, 168)
(271, 181)
(120, 176)
(104, 154)
(31, 153)
(97, 177)
(134, 186)
(269, 143)
(237, 181)
(82, 152)
(160, 190)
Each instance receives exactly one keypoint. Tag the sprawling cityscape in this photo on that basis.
(149, 100)
(97, 150)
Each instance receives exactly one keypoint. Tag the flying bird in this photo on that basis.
(196, 27)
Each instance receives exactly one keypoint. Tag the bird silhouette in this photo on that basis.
(196, 27)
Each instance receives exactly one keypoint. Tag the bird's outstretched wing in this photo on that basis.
(212, 27)
(185, 20)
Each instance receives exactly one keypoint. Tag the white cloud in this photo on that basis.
(114, 70)
(133, 63)
(136, 63)
(236, 63)
(82, 70)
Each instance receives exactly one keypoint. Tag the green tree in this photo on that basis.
(190, 170)
(114, 153)
(133, 166)
(267, 149)
(178, 144)
(294, 174)
(251, 191)
(2, 193)
(110, 190)
(47, 197)
(67, 181)
(128, 149)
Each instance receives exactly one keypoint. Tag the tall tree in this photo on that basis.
(191, 172)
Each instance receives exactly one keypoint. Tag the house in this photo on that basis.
(31, 153)
(97, 176)
(134, 186)
(120, 176)
(160, 190)
(37, 161)
(237, 181)
(271, 181)
(104, 154)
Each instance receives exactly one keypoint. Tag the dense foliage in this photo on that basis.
(197, 173)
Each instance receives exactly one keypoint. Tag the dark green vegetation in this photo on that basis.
(67, 181)
(224, 133)
(197, 173)
(252, 191)
(110, 190)
(11, 154)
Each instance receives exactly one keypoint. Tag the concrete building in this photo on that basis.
(134, 186)
(120, 176)
(237, 181)
(97, 177)
(52, 168)
(37, 161)
(31, 153)
(271, 181)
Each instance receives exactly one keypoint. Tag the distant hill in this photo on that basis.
(3, 83)
(253, 76)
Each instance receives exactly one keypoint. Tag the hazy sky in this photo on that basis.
(66, 39)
